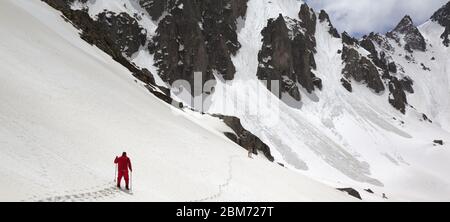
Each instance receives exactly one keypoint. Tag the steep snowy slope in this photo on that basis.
(67, 109)
(434, 85)
(340, 137)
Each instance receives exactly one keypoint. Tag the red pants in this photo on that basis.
(122, 174)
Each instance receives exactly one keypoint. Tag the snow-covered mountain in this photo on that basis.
(275, 76)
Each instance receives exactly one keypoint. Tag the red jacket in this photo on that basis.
(124, 163)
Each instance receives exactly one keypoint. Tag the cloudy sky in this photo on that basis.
(364, 16)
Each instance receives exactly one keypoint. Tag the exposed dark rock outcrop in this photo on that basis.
(410, 33)
(351, 192)
(379, 59)
(445, 36)
(388, 68)
(155, 8)
(438, 142)
(442, 16)
(368, 45)
(324, 17)
(245, 138)
(123, 30)
(180, 48)
(369, 191)
(378, 39)
(346, 84)
(116, 34)
(397, 96)
(360, 69)
(424, 67)
(347, 39)
(308, 20)
(392, 68)
(197, 36)
(397, 87)
(425, 118)
(407, 84)
(219, 29)
(287, 54)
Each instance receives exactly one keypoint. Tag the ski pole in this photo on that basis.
(131, 179)
(115, 172)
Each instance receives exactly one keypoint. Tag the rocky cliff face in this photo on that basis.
(379, 58)
(398, 82)
(381, 50)
(358, 67)
(287, 54)
(155, 8)
(361, 69)
(179, 46)
(196, 36)
(408, 34)
(116, 34)
(324, 17)
(201, 36)
(379, 70)
(442, 16)
(123, 30)
(348, 40)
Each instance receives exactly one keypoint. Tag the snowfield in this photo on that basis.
(67, 109)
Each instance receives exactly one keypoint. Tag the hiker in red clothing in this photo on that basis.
(123, 163)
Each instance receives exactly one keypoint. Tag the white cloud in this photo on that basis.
(365, 16)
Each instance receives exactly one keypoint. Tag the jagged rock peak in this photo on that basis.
(347, 39)
(410, 34)
(442, 16)
(308, 19)
(306, 10)
(287, 54)
(324, 17)
(280, 18)
(404, 25)
(397, 86)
